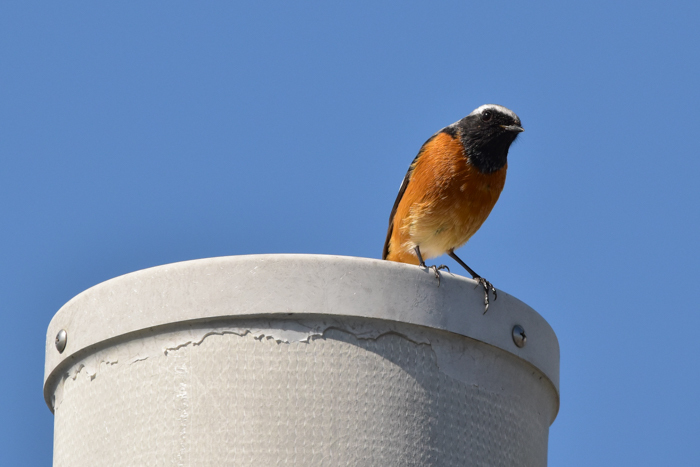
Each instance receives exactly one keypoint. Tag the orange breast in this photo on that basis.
(446, 201)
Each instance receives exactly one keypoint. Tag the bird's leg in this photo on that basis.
(484, 283)
(421, 263)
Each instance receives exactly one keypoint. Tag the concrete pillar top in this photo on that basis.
(288, 286)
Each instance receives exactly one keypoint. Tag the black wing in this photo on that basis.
(402, 190)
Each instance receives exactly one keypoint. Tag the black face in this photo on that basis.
(487, 134)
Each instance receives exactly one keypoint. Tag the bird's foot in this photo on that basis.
(436, 270)
(487, 286)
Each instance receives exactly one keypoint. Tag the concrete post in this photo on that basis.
(298, 359)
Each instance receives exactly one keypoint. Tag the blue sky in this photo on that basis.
(134, 135)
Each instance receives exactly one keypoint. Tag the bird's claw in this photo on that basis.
(436, 270)
(487, 286)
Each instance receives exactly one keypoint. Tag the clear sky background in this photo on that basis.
(134, 134)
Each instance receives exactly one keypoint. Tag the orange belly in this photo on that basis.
(445, 203)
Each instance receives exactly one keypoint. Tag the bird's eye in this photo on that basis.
(486, 115)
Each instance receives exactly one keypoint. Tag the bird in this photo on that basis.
(450, 189)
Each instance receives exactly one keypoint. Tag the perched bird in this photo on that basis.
(450, 189)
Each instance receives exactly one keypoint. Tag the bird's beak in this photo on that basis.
(515, 128)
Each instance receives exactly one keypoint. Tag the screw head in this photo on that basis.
(61, 339)
(519, 336)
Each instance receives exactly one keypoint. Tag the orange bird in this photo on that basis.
(450, 189)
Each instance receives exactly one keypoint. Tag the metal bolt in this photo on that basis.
(519, 336)
(61, 339)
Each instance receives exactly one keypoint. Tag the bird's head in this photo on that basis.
(487, 134)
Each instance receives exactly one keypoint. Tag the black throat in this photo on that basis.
(490, 155)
